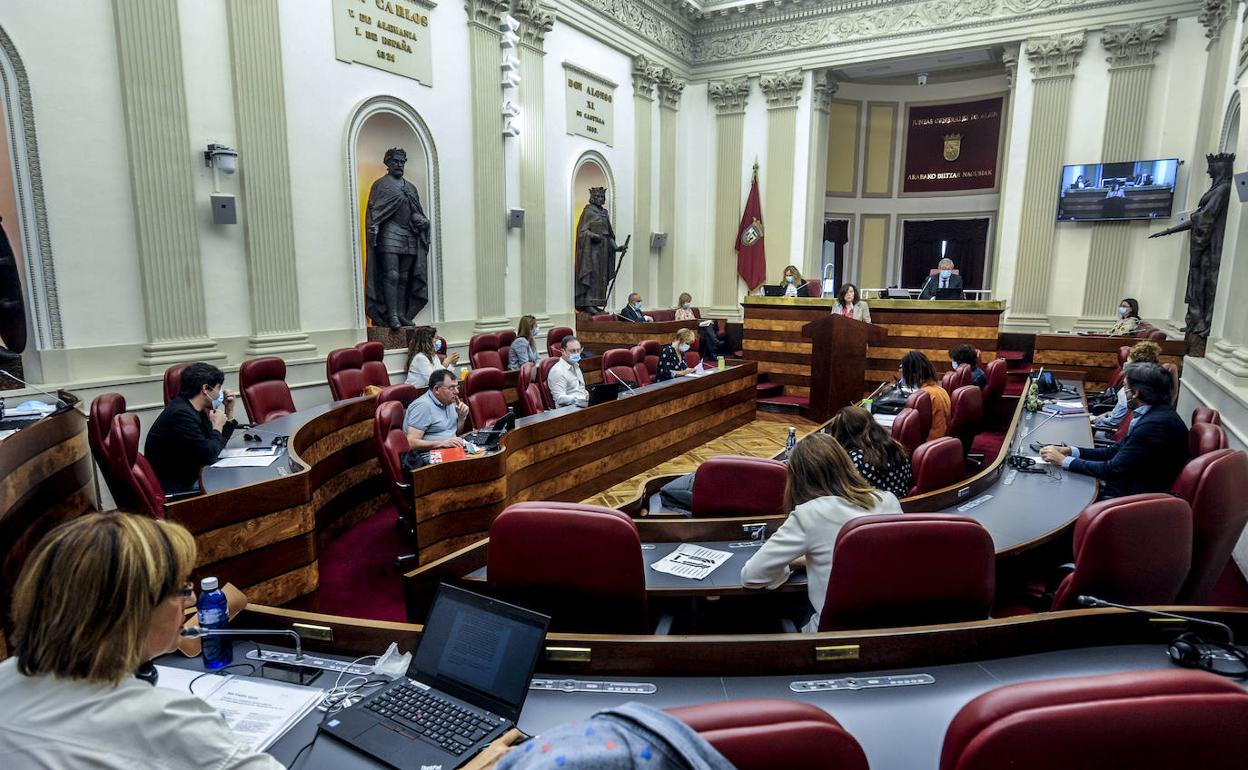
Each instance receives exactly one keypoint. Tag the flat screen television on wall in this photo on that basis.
(1140, 189)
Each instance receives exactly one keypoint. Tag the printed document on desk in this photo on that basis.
(691, 561)
(245, 462)
(251, 451)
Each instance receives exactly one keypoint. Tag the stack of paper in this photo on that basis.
(1064, 408)
(691, 561)
(258, 712)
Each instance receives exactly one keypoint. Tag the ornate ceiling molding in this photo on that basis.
(670, 89)
(782, 89)
(1212, 16)
(646, 19)
(1055, 57)
(729, 96)
(535, 21)
(646, 76)
(1134, 45)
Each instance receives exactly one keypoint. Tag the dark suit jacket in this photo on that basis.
(933, 283)
(181, 442)
(630, 314)
(1149, 459)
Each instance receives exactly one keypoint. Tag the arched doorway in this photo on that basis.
(590, 170)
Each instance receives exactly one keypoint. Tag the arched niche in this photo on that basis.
(22, 206)
(590, 170)
(1230, 126)
(377, 125)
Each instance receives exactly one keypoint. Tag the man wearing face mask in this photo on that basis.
(672, 357)
(944, 278)
(1154, 451)
(192, 430)
(565, 380)
(632, 311)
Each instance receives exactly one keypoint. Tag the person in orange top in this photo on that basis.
(917, 373)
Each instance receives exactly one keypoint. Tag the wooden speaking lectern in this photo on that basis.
(838, 362)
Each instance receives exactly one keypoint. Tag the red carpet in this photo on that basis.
(358, 578)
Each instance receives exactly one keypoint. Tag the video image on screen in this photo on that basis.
(1142, 189)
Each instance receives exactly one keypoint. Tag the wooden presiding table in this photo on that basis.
(1094, 356)
(773, 335)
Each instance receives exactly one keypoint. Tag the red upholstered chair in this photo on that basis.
(1174, 382)
(343, 369)
(1130, 550)
(653, 348)
(262, 384)
(1213, 484)
(173, 381)
(813, 288)
(123, 444)
(640, 373)
(921, 402)
(937, 464)
(539, 558)
(1141, 719)
(906, 430)
(605, 317)
(104, 408)
(736, 485)
(554, 340)
(995, 386)
(769, 734)
(967, 415)
(483, 352)
(1157, 335)
(504, 345)
(442, 355)
(543, 370)
(374, 366)
(693, 356)
(530, 393)
(1115, 379)
(390, 442)
(618, 363)
(909, 569)
(949, 380)
(484, 393)
(1205, 437)
(403, 393)
(1206, 414)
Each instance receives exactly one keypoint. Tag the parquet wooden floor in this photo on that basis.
(760, 438)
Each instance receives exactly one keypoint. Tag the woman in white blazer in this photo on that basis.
(850, 305)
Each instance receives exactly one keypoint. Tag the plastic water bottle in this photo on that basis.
(214, 613)
(790, 442)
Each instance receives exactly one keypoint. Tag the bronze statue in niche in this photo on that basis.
(596, 263)
(396, 279)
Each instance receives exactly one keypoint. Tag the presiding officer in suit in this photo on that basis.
(1154, 451)
(944, 279)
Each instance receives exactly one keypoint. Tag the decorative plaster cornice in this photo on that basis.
(1055, 57)
(670, 89)
(1212, 16)
(1134, 45)
(729, 96)
(646, 76)
(1009, 58)
(487, 13)
(644, 18)
(1242, 66)
(782, 89)
(824, 88)
(535, 21)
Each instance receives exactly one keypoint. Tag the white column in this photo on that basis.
(535, 21)
(670, 89)
(645, 77)
(822, 90)
(783, 90)
(729, 98)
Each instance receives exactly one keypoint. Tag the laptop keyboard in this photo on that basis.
(436, 719)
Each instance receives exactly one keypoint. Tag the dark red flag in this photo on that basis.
(751, 258)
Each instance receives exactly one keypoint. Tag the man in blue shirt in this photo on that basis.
(1154, 451)
(433, 420)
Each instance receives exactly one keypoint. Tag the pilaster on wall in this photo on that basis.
(260, 115)
(1132, 50)
(783, 90)
(149, 51)
(489, 195)
(670, 89)
(729, 98)
(823, 88)
(1230, 348)
(535, 22)
(1009, 59)
(1053, 61)
(646, 76)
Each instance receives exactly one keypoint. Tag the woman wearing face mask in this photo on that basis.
(850, 305)
(672, 357)
(524, 348)
(1128, 318)
(793, 283)
(684, 307)
(422, 356)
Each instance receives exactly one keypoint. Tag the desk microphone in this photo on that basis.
(622, 382)
(1033, 430)
(626, 318)
(1092, 601)
(60, 403)
(199, 632)
(925, 285)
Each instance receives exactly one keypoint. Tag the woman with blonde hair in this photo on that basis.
(1141, 353)
(793, 283)
(99, 598)
(422, 356)
(684, 307)
(524, 346)
(824, 492)
(672, 357)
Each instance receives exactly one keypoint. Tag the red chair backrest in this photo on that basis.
(343, 369)
(404, 394)
(909, 569)
(967, 414)
(262, 384)
(538, 557)
(937, 464)
(995, 386)
(173, 381)
(653, 348)
(374, 366)
(949, 380)
(390, 442)
(483, 352)
(1174, 380)
(506, 338)
(1130, 550)
(769, 734)
(921, 402)
(640, 371)
(1205, 437)
(1142, 719)
(1206, 414)
(104, 408)
(1213, 484)
(484, 394)
(618, 361)
(524, 379)
(554, 340)
(543, 370)
(531, 398)
(123, 443)
(906, 429)
(736, 485)
(1121, 432)
(442, 355)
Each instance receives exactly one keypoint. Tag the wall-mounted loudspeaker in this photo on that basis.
(658, 240)
(1241, 186)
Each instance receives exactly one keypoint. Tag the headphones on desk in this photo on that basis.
(1191, 651)
(1024, 463)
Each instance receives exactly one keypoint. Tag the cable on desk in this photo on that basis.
(223, 670)
(340, 695)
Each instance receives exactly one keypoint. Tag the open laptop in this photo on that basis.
(948, 293)
(773, 290)
(464, 688)
(603, 392)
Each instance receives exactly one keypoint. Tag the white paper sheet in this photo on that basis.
(245, 462)
(691, 561)
(251, 451)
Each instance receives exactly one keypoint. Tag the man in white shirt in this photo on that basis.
(566, 383)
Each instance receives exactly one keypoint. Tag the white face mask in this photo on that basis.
(537, 331)
(789, 278)
(437, 346)
(1122, 311)
(945, 273)
(219, 401)
(684, 347)
(687, 305)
